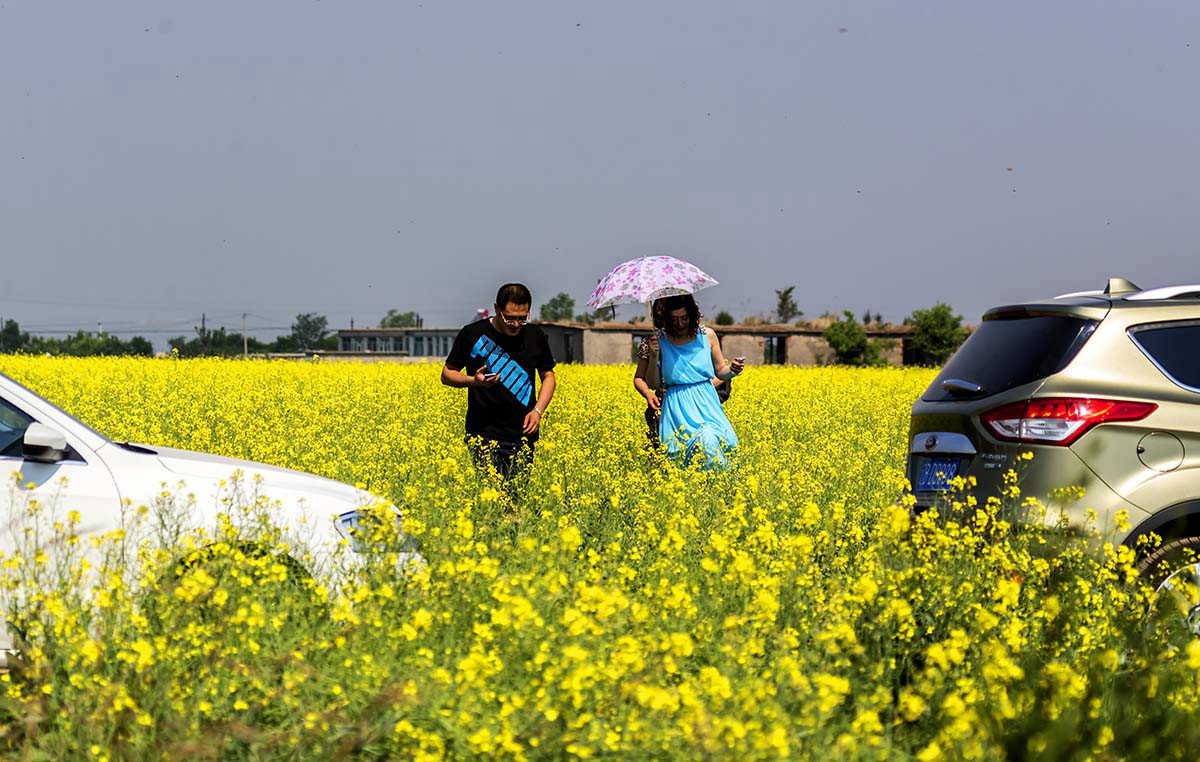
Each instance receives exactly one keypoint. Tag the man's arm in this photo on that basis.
(533, 419)
(460, 355)
(459, 380)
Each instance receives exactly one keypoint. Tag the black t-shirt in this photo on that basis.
(498, 412)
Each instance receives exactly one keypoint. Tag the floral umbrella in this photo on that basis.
(649, 278)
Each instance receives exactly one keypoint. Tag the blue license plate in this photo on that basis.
(936, 473)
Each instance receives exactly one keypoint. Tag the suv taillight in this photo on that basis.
(1059, 420)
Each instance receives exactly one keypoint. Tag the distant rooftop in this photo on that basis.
(814, 328)
(809, 328)
(377, 331)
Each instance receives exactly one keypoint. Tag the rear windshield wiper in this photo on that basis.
(960, 388)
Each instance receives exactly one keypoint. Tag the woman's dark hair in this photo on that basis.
(668, 304)
(513, 293)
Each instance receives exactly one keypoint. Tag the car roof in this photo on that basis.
(1072, 305)
(1119, 294)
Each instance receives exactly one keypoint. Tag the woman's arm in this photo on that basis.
(724, 370)
(639, 379)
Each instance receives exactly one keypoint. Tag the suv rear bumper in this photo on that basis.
(1051, 469)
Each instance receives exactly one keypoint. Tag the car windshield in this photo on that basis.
(47, 403)
(1009, 352)
(12, 429)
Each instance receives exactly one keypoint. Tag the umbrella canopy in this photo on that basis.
(648, 278)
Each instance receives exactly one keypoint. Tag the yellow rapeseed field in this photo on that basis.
(622, 609)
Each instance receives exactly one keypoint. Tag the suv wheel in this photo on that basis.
(1174, 570)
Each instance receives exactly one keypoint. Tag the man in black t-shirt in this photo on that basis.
(496, 359)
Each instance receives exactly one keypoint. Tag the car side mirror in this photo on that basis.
(44, 444)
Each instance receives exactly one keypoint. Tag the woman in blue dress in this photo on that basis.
(692, 426)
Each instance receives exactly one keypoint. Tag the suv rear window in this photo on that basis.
(1173, 347)
(1004, 353)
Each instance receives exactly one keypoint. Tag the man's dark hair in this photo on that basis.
(669, 304)
(513, 293)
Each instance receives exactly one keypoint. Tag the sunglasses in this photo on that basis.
(515, 322)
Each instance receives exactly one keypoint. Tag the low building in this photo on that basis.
(800, 345)
(402, 342)
(607, 343)
(612, 343)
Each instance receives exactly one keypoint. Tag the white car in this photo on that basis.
(44, 443)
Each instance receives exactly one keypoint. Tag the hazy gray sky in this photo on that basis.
(162, 159)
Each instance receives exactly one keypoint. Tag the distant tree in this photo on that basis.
(219, 343)
(394, 319)
(878, 317)
(936, 333)
(723, 318)
(282, 345)
(309, 329)
(87, 344)
(560, 307)
(139, 345)
(11, 338)
(850, 343)
(785, 306)
(866, 317)
(597, 316)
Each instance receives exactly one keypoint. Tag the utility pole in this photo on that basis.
(245, 341)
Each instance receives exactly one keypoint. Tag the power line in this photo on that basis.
(124, 324)
(254, 327)
(263, 317)
(425, 306)
(119, 332)
(140, 305)
(71, 331)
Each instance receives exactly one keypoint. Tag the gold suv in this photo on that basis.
(1104, 388)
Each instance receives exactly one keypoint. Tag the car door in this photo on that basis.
(80, 482)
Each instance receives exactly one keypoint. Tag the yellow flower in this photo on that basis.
(910, 706)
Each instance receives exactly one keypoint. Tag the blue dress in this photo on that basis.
(692, 424)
